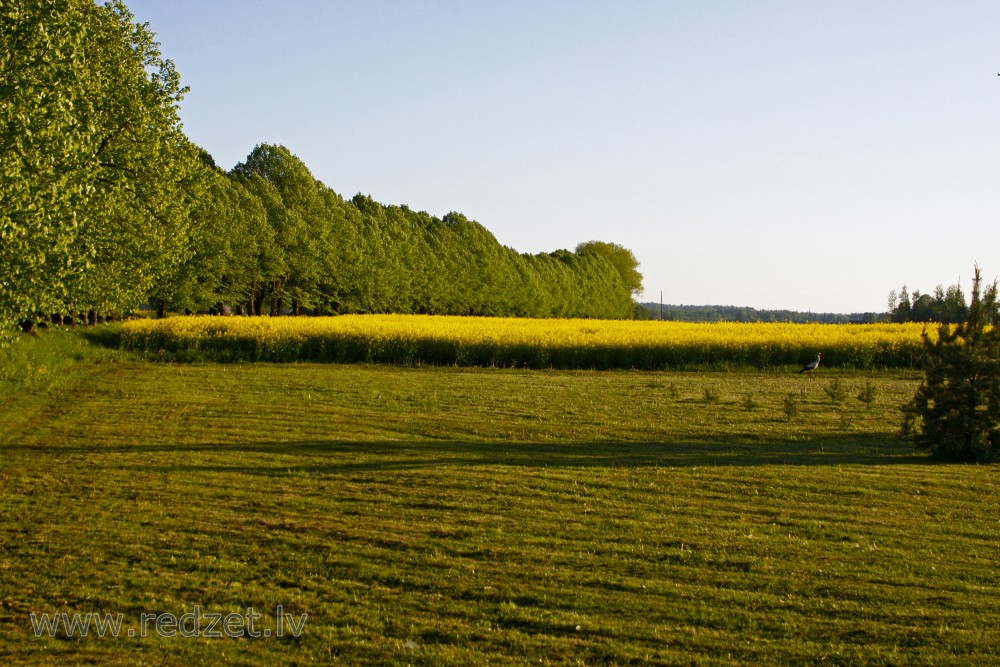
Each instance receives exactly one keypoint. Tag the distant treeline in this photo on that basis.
(682, 313)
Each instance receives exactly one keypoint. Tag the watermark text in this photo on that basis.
(195, 623)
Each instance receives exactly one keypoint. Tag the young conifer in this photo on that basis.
(955, 414)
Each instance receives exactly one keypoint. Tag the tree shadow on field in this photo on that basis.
(339, 457)
(102, 336)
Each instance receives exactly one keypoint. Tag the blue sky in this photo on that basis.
(802, 155)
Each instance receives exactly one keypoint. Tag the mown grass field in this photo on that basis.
(464, 516)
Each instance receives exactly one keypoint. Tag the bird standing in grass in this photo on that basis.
(812, 365)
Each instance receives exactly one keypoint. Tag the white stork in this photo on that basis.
(812, 365)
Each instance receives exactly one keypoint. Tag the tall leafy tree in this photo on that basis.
(226, 226)
(304, 218)
(97, 175)
(620, 257)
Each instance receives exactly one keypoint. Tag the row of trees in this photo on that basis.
(945, 305)
(689, 313)
(97, 177)
(270, 238)
(105, 203)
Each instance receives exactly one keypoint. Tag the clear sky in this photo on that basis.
(802, 154)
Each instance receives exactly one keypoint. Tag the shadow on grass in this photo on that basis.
(109, 337)
(335, 457)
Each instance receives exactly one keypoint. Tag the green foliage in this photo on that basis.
(835, 391)
(790, 406)
(688, 313)
(640, 312)
(621, 258)
(955, 414)
(944, 306)
(227, 230)
(273, 237)
(97, 175)
(105, 204)
(868, 395)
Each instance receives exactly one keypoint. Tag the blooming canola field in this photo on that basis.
(525, 343)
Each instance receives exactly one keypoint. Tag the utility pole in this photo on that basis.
(661, 305)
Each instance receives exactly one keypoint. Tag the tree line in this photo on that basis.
(685, 313)
(269, 238)
(944, 305)
(105, 204)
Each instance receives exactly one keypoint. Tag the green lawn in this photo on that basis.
(471, 516)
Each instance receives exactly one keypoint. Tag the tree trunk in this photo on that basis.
(257, 303)
(296, 310)
(92, 318)
(161, 308)
(58, 319)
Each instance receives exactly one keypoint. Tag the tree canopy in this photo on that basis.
(98, 178)
(318, 252)
(945, 305)
(621, 258)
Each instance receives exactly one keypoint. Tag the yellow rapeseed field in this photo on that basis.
(513, 342)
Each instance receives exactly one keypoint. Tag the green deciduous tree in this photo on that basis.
(97, 176)
(955, 414)
(621, 258)
(942, 306)
(226, 225)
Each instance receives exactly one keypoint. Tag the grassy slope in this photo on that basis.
(455, 516)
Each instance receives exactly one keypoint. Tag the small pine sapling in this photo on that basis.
(867, 395)
(791, 407)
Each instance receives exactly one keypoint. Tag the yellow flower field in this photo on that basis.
(512, 342)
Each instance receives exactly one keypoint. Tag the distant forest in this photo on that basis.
(943, 305)
(676, 313)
